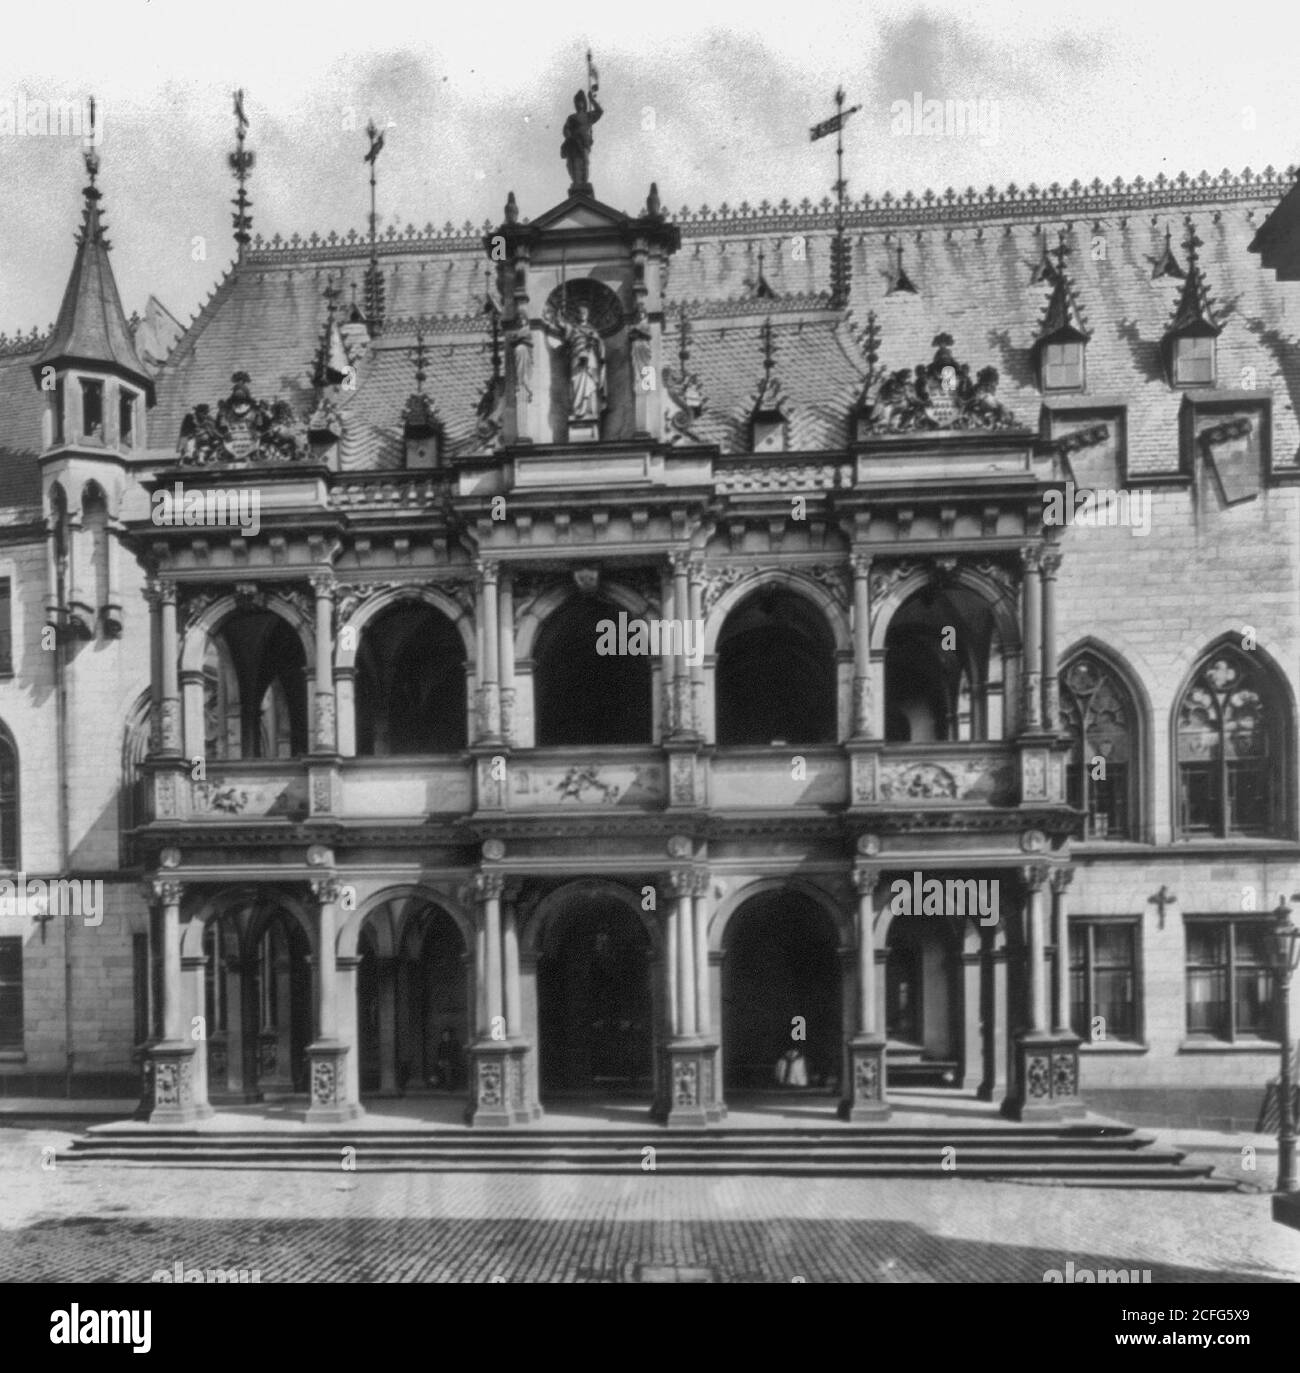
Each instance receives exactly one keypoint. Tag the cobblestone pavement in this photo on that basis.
(105, 1223)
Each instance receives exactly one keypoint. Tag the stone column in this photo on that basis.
(153, 597)
(506, 656)
(193, 714)
(1035, 883)
(331, 1080)
(348, 1024)
(170, 726)
(498, 1073)
(510, 968)
(700, 934)
(198, 1028)
(865, 1094)
(683, 886)
(995, 1016)
(324, 731)
(1061, 879)
(1031, 1094)
(1050, 563)
(176, 1084)
(862, 684)
(681, 672)
(1031, 630)
(231, 969)
(697, 669)
(688, 1089)
(489, 691)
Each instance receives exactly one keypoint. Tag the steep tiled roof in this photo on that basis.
(91, 326)
(21, 410)
(971, 256)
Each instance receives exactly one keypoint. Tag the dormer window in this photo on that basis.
(92, 410)
(1062, 366)
(126, 410)
(1193, 361)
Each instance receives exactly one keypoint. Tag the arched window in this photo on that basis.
(1231, 750)
(9, 848)
(410, 683)
(583, 696)
(776, 672)
(1101, 773)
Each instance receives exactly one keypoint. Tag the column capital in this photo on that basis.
(165, 589)
(1049, 563)
(488, 886)
(152, 594)
(700, 881)
(488, 570)
(861, 564)
(1061, 878)
(322, 584)
(1030, 557)
(866, 880)
(167, 891)
(681, 561)
(1035, 876)
(326, 890)
(680, 882)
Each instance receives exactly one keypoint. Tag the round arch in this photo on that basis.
(349, 935)
(1005, 620)
(541, 610)
(836, 618)
(460, 619)
(726, 908)
(261, 904)
(540, 925)
(214, 616)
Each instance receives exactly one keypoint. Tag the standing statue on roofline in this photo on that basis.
(576, 148)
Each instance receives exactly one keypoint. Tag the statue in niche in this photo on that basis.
(576, 148)
(586, 356)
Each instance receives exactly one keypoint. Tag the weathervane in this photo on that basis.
(374, 280)
(839, 257)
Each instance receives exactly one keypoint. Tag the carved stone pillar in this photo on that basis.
(489, 639)
(995, 1014)
(330, 1078)
(324, 726)
(153, 598)
(506, 655)
(1046, 1083)
(696, 670)
(1031, 632)
(1061, 879)
(684, 723)
(499, 1071)
(175, 1089)
(1049, 564)
(862, 668)
(170, 719)
(688, 1087)
(865, 1094)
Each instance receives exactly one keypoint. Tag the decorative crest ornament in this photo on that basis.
(938, 395)
(683, 386)
(1166, 265)
(243, 430)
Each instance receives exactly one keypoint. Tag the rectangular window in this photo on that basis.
(11, 992)
(140, 986)
(1063, 367)
(92, 409)
(1104, 981)
(1231, 985)
(6, 628)
(1193, 362)
(58, 411)
(126, 417)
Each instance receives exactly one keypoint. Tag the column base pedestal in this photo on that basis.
(690, 1095)
(1047, 1079)
(866, 1099)
(169, 1092)
(498, 1081)
(327, 1078)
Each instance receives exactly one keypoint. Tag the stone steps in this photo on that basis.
(1084, 1155)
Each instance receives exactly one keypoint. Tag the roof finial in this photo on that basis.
(1166, 265)
(684, 339)
(901, 281)
(769, 350)
(418, 353)
(92, 227)
(241, 164)
(762, 290)
(374, 278)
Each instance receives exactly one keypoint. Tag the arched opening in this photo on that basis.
(254, 689)
(410, 692)
(923, 999)
(1233, 743)
(277, 1003)
(775, 676)
(595, 1030)
(781, 995)
(413, 1010)
(937, 659)
(1101, 773)
(582, 696)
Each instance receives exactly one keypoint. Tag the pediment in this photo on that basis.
(580, 212)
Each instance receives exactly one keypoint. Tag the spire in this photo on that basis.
(1043, 269)
(900, 280)
(1166, 265)
(761, 289)
(419, 418)
(331, 365)
(241, 163)
(1194, 314)
(91, 329)
(1062, 319)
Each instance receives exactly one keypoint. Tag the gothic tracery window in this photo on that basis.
(1101, 772)
(1230, 751)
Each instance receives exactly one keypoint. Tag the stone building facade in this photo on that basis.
(963, 749)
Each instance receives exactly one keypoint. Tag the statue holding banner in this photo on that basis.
(576, 148)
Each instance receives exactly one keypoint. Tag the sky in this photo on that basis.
(711, 99)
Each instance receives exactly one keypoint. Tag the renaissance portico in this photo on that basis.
(392, 812)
